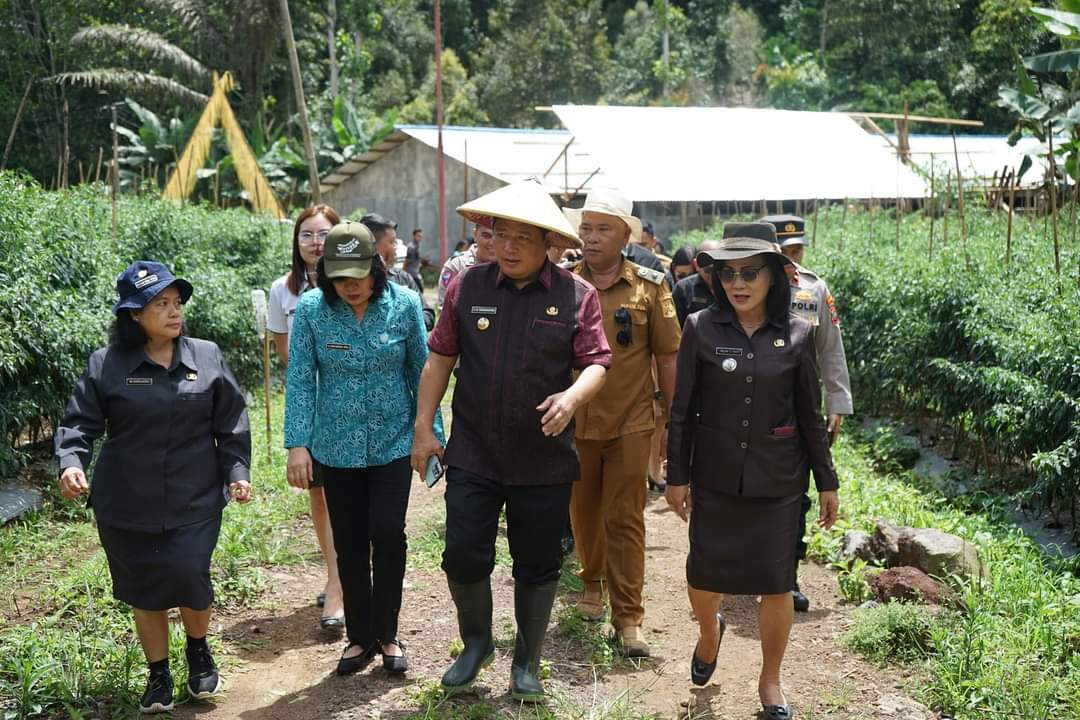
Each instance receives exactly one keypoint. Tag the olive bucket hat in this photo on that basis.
(743, 240)
(349, 251)
(142, 281)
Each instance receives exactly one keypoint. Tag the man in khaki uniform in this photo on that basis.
(812, 301)
(614, 429)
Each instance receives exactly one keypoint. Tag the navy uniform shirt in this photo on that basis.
(691, 294)
(175, 437)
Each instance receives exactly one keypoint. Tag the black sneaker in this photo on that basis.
(158, 697)
(203, 679)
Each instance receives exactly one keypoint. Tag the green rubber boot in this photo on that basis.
(473, 601)
(532, 610)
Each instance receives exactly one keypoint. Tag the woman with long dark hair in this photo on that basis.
(309, 238)
(177, 449)
(746, 429)
(356, 351)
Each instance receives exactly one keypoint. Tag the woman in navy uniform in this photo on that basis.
(746, 429)
(177, 448)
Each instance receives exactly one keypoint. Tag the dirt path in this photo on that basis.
(279, 664)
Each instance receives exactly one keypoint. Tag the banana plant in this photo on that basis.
(1048, 105)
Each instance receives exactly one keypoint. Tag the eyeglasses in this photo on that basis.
(727, 275)
(622, 319)
(307, 237)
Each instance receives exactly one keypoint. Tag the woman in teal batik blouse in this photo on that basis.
(356, 350)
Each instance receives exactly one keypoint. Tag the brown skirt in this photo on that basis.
(742, 545)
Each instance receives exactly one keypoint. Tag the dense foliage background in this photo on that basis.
(368, 63)
(56, 296)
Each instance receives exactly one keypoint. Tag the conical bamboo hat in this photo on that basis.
(525, 202)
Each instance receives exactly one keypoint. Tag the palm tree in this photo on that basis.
(240, 36)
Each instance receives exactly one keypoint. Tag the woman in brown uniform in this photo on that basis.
(746, 428)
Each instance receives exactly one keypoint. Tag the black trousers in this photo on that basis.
(535, 518)
(367, 513)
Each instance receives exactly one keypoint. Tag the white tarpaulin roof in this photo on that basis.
(980, 155)
(512, 154)
(673, 154)
(509, 154)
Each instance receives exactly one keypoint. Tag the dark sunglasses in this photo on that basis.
(727, 275)
(622, 319)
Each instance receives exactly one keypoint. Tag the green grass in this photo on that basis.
(1014, 650)
(71, 648)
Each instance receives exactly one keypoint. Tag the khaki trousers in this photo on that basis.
(607, 509)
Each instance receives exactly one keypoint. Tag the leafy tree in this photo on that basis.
(743, 54)
(461, 105)
(541, 52)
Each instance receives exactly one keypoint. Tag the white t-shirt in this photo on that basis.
(282, 306)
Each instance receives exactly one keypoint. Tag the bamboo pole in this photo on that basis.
(15, 124)
(465, 192)
(301, 106)
(67, 145)
(440, 155)
(1053, 200)
(960, 196)
(266, 391)
(97, 171)
(115, 171)
(932, 204)
(1009, 227)
(945, 210)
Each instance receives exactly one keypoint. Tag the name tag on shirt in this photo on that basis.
(140, 381)
(484, 310)
(729, 351)
(338, 346)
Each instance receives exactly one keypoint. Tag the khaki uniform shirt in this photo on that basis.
(812, 301)
(625, 403)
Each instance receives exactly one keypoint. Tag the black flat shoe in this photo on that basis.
(700, 671)
(800, 601)
(347, 666)
(776, 712)
(395, 663)
(329, 622)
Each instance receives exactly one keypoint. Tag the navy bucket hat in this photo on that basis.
(142, 281)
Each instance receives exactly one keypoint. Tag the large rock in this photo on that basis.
(906, 583)
(885, 544)
(857, 544)
(938, 553)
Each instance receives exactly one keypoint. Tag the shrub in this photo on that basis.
(894, 631)
(58, 265)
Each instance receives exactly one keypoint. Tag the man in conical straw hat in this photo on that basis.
(615, 429)
(520, 328)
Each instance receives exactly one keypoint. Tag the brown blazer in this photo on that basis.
(746, 417)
